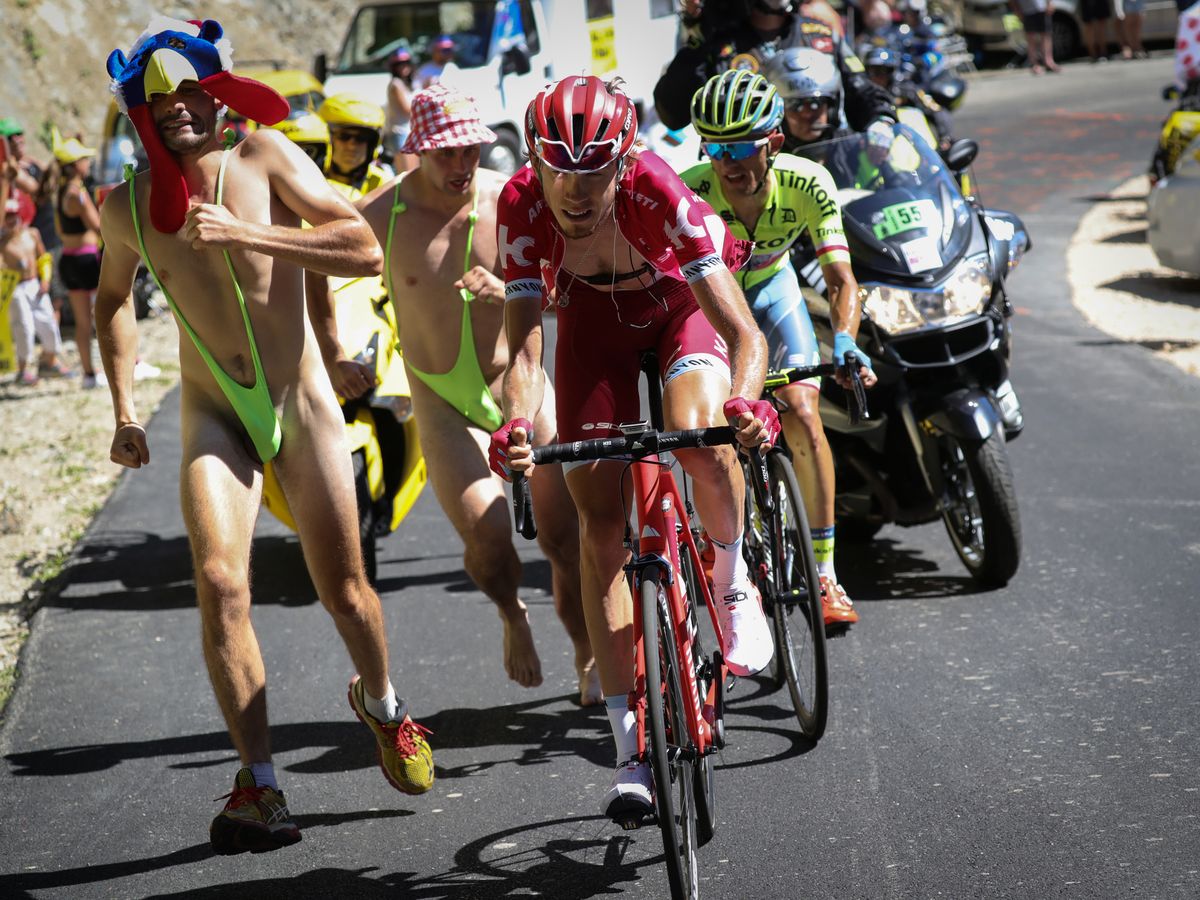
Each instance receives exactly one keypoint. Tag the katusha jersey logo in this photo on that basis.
(514, 249)
(683, 225)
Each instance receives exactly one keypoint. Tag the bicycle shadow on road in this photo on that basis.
(885, 569)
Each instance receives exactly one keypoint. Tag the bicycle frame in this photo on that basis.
(658, 502)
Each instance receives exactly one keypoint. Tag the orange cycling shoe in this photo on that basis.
(838, 608)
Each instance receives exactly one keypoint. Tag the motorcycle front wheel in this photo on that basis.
(979, 507)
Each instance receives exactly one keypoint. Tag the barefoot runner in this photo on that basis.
(221, 232)
(438, 227)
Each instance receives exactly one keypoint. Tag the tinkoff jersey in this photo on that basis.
(803, 197)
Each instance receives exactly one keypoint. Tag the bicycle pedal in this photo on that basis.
(632, 820)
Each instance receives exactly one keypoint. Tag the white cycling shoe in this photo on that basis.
(629, 795)
(746, 638)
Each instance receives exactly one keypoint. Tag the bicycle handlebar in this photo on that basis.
(858, 394)
(637, 445)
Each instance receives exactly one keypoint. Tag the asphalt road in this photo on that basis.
(1036, 741)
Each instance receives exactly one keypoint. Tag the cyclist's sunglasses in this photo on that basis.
(807, 104)
(735, 150)
(591, 158)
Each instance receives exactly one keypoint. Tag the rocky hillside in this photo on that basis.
(52, 52)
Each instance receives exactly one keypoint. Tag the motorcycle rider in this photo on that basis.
(774, 200)
(355, 131)
(764, 29)
(883, 64)
(811, 89)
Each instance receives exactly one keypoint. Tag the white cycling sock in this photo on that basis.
(624, 726)
(390, 709)
(264, 775)
(729, 567)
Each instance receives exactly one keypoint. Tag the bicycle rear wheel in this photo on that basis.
(667, 735)
(799, 620)
(705, 669)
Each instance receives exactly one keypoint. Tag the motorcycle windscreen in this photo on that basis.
(901, 207)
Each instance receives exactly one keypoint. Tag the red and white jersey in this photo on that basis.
(660, 217)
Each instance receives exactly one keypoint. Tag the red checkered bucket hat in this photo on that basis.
(445, 117)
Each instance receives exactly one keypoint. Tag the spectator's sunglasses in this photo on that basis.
(348, 136)
(734, 150)
(807, 104)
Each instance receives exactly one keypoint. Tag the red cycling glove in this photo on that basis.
(501, 441)
(761, 410)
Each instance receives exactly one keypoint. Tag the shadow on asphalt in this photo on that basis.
(1182, 290)
(541, 729)
(568, 859)
(884, 569)
(1137, 236)
(152, 572)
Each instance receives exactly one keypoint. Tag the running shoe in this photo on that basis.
(94, 380)
(629, 795)
(143, 370)
(255, 819)
(404, 754)
(746, 640)
(27, 378)
(837, 607)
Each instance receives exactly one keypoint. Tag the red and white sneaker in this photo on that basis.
(746, 640)
(837, 607)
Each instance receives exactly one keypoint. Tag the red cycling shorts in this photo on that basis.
(601, 337)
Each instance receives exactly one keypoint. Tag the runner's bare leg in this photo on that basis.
(474, 500)
(220, 488)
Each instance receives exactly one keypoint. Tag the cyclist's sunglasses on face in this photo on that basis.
(734, 150)
(592, 157)
(812, 105)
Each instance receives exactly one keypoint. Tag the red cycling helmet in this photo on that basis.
(580, 124)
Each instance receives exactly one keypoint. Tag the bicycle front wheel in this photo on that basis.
(799, 620)
(667, 735)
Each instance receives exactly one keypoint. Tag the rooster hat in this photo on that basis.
(169, 52)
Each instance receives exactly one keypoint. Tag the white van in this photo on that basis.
(508, 50)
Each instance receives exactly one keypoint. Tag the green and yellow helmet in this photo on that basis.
(311, 134)
(737, 105)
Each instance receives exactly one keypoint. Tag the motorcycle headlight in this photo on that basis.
(897, 310)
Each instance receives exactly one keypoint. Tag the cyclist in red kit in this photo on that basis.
(631, 260)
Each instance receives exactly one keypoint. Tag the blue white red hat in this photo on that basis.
(443, 116)
(169, 52)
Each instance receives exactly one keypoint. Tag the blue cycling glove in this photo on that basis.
(843, 344)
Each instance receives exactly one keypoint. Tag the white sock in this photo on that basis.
(264, 775)
(624, 726)
(729, 567)
(390, 709)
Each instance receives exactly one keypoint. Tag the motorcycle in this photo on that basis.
(389, 470)
(932, 269)
(1175, 183)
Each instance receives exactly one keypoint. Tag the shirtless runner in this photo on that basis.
(227, 249)
(438, 225)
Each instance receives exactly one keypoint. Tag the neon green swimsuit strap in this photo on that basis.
(266, 436)
(259, 377)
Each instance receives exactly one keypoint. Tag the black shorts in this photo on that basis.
(1094, 10)
(1036, 23)
(80, 272)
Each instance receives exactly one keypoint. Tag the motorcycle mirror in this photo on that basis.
(961, 154)
(1170, 92)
